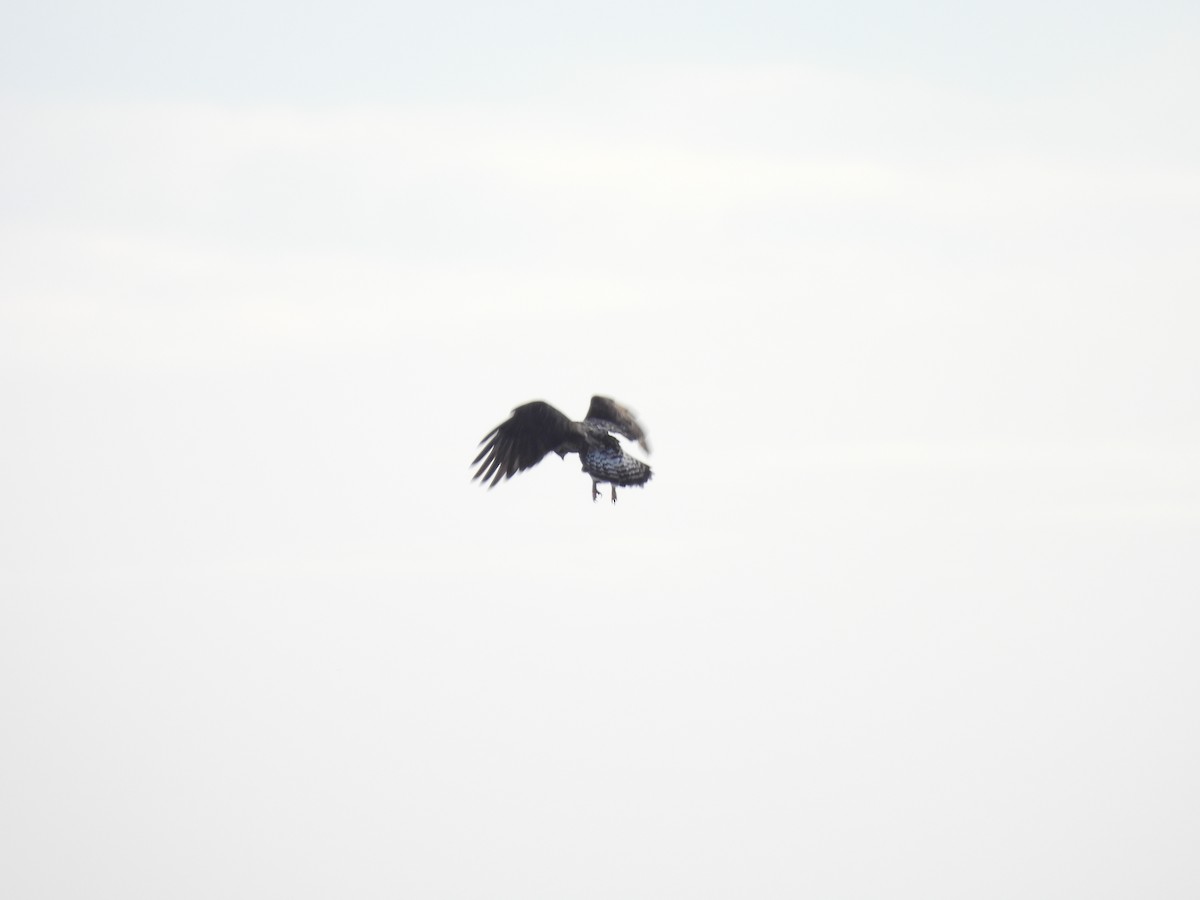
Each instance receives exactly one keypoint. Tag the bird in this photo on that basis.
(536, 429)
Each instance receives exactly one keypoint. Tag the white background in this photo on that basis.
(906, 296)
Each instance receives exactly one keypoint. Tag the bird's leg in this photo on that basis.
(595, 490)
(614, 493)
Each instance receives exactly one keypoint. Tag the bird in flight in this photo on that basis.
(537, 428)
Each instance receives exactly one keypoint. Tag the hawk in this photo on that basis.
(537, 428)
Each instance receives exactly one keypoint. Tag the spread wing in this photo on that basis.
(610, 414)
(533, 431)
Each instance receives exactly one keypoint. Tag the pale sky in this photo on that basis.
(906, 298)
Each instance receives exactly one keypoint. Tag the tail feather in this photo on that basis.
(615, 466)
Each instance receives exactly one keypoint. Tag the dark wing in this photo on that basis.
(533, 431)
(608, 412)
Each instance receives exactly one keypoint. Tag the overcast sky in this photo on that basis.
(906, 298)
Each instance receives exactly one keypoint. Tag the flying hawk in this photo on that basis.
(537, 428)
